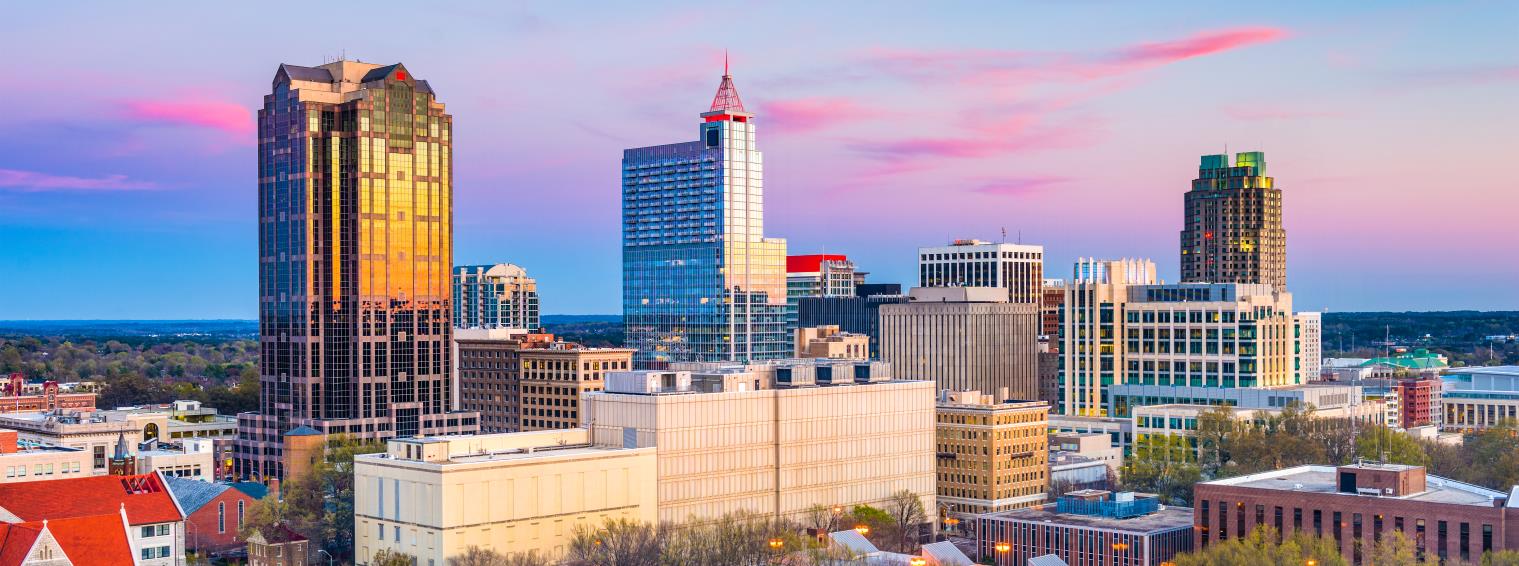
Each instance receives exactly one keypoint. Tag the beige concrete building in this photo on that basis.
(1091, 329)
(992, 456)
(830, 342)
(834, 441)
(433, 498)
(964, 338)
(30, 462)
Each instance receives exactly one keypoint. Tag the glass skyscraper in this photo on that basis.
(700, 281)
(355, 246)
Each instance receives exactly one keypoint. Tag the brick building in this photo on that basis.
(1087, 527)
(521, 381)
(16, 397)
(1357, 505)
(214, 511)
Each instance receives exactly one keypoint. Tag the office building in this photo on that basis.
(830, 342)
(519, 381)
(28, 461)
(1018, 268)
(495, 296)
(1094, 445)
(964, 338)
(1357, 505)
(1308, 337)
(1091, 527)
(1232, 232)
(1476, 398)
(818, 275)
(829, 433)
(700, 281)
(1120, 431)
(17, 397)
(355, 246)
(1091, 321)
(105, 520)
(434, 497)
(993, 455)
(1051, 298)
(860, 314)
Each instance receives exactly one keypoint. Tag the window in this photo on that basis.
(221, 517)
(239, 514)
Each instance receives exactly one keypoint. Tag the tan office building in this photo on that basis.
(836, 441)
(1091, 334)
(992, 456)
(520, 381)
(964, 338)
(433, 498)
(830, 342)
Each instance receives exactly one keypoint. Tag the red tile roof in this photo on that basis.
(99, 540)
(144, 496)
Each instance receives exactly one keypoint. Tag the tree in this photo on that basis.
(908, 516)
(262, 515)
(1261, 548)
(1165, 465)
(1375, 442)
(387, 558)
(1396, 549)
(620, 542)
(879, 524)
(476, 556)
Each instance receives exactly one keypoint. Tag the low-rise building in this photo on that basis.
(27, 461)
(214, 512)
(992, 455)
(1093, 445)
(1120, 431)
(17, 396)
(278, 546)
(105, 520)
(1358, 504)
(1475, 398)
(830, 342)
(433, 498)
(1092, 527)
(1070, 471)
(192, 459)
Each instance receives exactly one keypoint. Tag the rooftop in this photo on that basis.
(143, 496)
(1323, 479)
(1165, 519)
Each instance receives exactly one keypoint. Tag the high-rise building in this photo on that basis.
(964, 338)
(524, 382)
(818, 275)
(1052, 296)
(495, 296)
(700, 281)
(1308, 341)
(859, 314)
(355, 245)
(1019, 268)
(1091, 332)
(1233, 227)
(992, 455)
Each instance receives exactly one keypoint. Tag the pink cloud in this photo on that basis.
(217, 115)
(1019, 186)
(1197, 45)
(811, 114)
(31, 181)
(1020, 133)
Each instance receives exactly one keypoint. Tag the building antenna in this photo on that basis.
(725, 61)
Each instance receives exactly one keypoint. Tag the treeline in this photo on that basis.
(220, 374)
(1169, 465)
(1265, 547)
(1460, 335)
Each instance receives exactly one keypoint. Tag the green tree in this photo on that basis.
(1261, 548)
(1396, 549)
(1375, 442)
(1165, 465)
(387, 558)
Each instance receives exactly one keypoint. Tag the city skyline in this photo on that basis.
(134, 163)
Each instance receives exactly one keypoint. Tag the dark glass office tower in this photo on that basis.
(355, 248)
(700, 281)
(1233, 228)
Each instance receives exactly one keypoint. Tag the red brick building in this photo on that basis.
(1416, 401)
(15, 399)
(214, 511)
(1357, 505)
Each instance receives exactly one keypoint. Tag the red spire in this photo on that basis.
(727, 95)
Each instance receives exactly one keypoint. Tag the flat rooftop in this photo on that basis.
(1323, 479)
(1167, 518)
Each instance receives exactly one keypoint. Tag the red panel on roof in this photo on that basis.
(147, 502)
(810, 263)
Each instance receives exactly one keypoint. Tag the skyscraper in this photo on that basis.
(1019, 268)
(1233, 229)
(355, 245)
(1091, 330)
(495, 296)
(700, 281)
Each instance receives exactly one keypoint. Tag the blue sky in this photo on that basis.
(127, 182)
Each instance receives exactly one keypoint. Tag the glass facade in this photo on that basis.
(495, 296)
(1233, 227)
(355, 244)
(701, 282)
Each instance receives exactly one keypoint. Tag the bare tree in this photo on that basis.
(906, 510)
(617, 543)
(476, 556)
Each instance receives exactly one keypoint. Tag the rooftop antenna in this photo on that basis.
(725, 62)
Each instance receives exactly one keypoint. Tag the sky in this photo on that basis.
(127, 160)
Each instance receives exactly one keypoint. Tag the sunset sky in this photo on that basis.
(127, 179)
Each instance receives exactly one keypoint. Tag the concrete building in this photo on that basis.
(519, 381)
(434, 497)
(495, 296)
(993, 455)
(1094, 445)
(354, 256)
(700, 280)
(1091, 527)
(16, 396)
(34, 462)
(1232, 232)
(830, 342)
(1091, 344)
(1308, 338)
(106, 520)
(193, 459)
(846, 438)
(1475, 398)
(964, 338)
(1120, 431)
(1018, 268)
(1358, 504)
(816, 276)
(859, 314)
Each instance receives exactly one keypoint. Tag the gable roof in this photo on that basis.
(98, 540)
(16, 541)
(144, 498)
(252, 488)
(193, 494)
(277, 534)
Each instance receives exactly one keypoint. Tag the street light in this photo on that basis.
(1312, 562)
(862, 529)
(329, 555)
(776, 543)
(1003, 547)
(918, 561)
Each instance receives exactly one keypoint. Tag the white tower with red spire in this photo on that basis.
(701, 282)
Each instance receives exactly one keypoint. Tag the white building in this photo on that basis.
(1308, 330)
(1019, 268)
